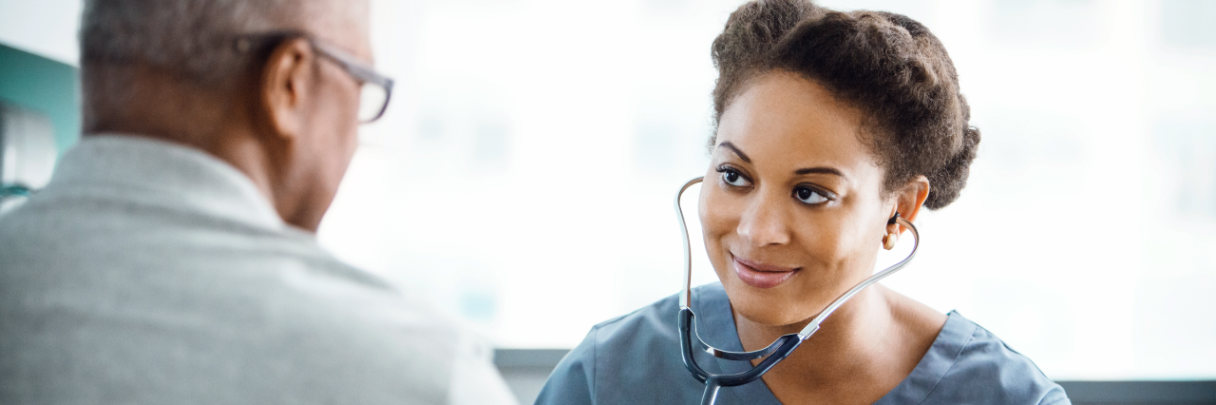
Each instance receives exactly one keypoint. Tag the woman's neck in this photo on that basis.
(860, 352)
(847, 336)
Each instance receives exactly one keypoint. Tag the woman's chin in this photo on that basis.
(766, 307)
(775, 320)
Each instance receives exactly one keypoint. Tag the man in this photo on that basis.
(172, 258)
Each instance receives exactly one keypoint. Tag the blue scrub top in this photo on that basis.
(635, 359)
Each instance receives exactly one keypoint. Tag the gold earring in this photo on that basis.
(889, 240)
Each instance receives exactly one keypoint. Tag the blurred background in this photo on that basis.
(522, 178)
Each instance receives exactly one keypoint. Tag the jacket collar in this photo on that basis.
(143, 170)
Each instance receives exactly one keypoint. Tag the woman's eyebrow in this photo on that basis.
(732, 147)
(799, 172)
(819, 170)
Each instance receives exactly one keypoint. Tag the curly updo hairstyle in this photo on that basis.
(887, 65)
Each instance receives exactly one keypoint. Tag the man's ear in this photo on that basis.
(285, 81)
(910, 198)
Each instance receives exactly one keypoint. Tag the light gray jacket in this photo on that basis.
(151, 273)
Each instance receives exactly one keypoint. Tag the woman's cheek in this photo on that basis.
(715, 223)
(842, 249)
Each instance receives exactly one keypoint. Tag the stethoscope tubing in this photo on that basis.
(780, 348)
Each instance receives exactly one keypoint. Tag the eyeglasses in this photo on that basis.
(375, 89)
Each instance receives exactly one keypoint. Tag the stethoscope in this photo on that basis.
(780, 348)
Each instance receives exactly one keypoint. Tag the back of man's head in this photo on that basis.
(191, 38)
(192, 35)
(176, 70)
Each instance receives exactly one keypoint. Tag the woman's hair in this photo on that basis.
(887, 65)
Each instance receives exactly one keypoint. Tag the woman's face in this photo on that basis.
(792, 206)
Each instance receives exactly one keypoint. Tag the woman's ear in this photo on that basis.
(284, 88)
(908, 202)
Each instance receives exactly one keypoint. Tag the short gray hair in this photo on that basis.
(191, 38)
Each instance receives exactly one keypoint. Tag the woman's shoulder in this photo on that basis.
(633, 357)
(969, 364)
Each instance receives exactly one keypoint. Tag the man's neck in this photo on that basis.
(143, 99)
(156, 104)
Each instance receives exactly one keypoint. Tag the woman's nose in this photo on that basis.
(763, 223)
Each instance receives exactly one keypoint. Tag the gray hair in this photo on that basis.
(191, 38)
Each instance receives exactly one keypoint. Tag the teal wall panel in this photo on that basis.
(43, 85)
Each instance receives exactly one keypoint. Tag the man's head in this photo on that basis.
(254, 83)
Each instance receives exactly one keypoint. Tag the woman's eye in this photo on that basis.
(810, 196)
(733, 178)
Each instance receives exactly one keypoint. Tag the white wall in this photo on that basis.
(45, 27)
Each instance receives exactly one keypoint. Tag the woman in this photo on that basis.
(828, 125)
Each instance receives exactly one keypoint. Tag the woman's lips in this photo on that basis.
(761, 275)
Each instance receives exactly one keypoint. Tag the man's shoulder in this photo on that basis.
(202, 297)
(108, 214)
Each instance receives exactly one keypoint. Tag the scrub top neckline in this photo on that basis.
(716, 326)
